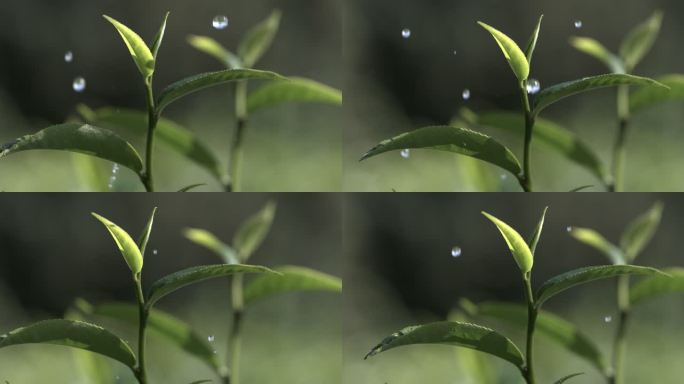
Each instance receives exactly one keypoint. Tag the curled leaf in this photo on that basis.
(142, 56)
(514, 55)
(127, 246)
(516, 244)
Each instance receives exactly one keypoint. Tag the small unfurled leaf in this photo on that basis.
(142, 56)
(191, 187)
(560, 91)
(594, 239)
(185, 277)
(640, 40)
(214, 49)
(127, 246)
(145, 235)
(568, 377)
(658, 285)
(579, 276)
(196, 83)
(532, 43)
(75, 334)
(521, 251)
(253, 231)
(79, 138)
(640, 232)
(294, 89)
(258, 39)
(453, 333)
(160, 37)
(452, 139)
(211, 242)
(534, 239)
(515, 56)
(293, 279)
(646, 97)
(596, 50)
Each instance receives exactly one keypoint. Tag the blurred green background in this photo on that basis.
(292, 147)
(399, 272)
(394, 85)
(54, 251)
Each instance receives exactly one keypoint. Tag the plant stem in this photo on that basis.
(235, 164)
(234, 342)
(619, 150)
(140, 371)
(620, 342)
(152, 119)
(531, 323)
(526, 179)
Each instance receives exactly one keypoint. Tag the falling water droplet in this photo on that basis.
(115, 168)
(154, 251)
(405, 33)
(79, 84)
(455, 52)
(568, 229)
(503, 176)
(405, 153)
(533, 86)
(210, 338)
(455, 251)
(608, 319)
(578, 24)
(69, 56)
(220, 22)
(466, 94)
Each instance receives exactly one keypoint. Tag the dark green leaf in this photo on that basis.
(453, 333)
(213, 48)
(534, 240)
(594, 239)
(655, 286)
(532, 43)
(127, 246)
(95, 367)
(646, 97)
(452, 139)
(253, 231)
(258, 39)
(80, 138)
(75, 334)
(640, 232)
(640, 40)
(514, 55)
(596, 50)
(568, 377)
(160, 37)
(145, 235)
(293, 279)
(516, 244)
(293, 89)
(191, 187)
(142, 56)
(472, 363)
(211, 242)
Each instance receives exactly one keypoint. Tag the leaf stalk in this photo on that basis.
(236, 147)
(235, 332)
(619, 150)
(152, 119)
(532, 312)
(526, 179)
(140, 370)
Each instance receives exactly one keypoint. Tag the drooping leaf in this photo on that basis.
(95, 367)
(145, 235)
(196, 83)
(142, 56)
(127, 246)
(453, 333)
(160, 37)
(293, 279)
(596, 50)
(75, 334)
(79, 138)
(640, 232)
(294, 89)
(560, 91)
(193, 275)
(659, 285)
(640, 40)
(211, 242)
(472, 363)
(253, 231)
(594, 239)
(584, 275)
(646, 97)
(514, 55)
(534, 239)
(518, 246)
(214, 49)
(532, 43)
(452, 139)
(191, 187)
(568, 377)
(258, 39)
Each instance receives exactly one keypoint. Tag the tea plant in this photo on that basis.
(477, 145)
(476, 337)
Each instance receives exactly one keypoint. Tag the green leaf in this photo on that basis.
(515, 56)
(75, 334)
(640, 40)
(560, 91)
(518, 246)
(472, 363)
(127, 246)
(214, 49)
(211, 242)
(136, 47)
(564, 333)
(452, 139)
(176, 137)
(293, 279)
(596, 50)
(655, 286)
(185, 277)
(293, 89)
(160, 37)
(549, 133)
(640, 232)
(646, 97)
(594, 239)
(191, 187)
(258, 39)
(532, 43)
(145, 235)
(568, 377)
(453, 333)
(79, 138)
(579, 276)
(196, 83)
(534, 239)
(253, 231)
(95, 367)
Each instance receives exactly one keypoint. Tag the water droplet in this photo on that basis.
(578, 24)
(455, 52)
(405, 33)
(533, 86)
(568, 229)
(115, 168)
(608, 319)
(466, 94)
(210, 338)
(405, 153)
(215, 352)
(79, 84)
(455, 251)
(69, 56)
(503, 176)
(154, 251)
(220, 22)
